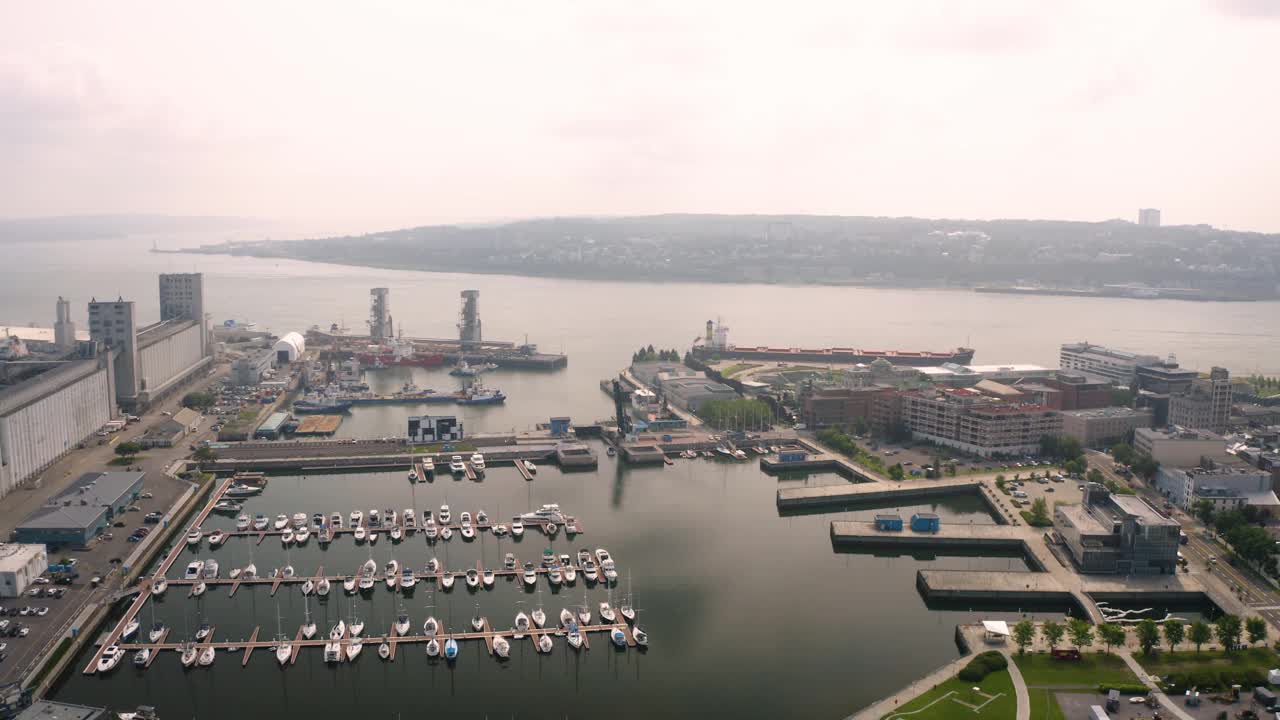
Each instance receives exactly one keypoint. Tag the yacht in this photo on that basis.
(157, 632)
(361, 534)
(281, 521)
(286, 537)
(250, 572)
(260, 522)
(202, 632)
(332, 652)
(528, 465)
(110, 658)
(468, 532)
(456, 466)
(539, 616)
(402, 624)
(302, 535)
(430, 627)
(446, 581)
(517, 528)
(392, 574)
(464, 519)
(589, 571)
(384, 649)
(283, 652)
(574, 637)
(407, 578)
(477, 622)
(243, 522)
(450, 649)
(500, 530)
(544, 643)
(189, 655)
(522, 624)
(323, 587)
(618, 636)
(335, 521)
(299, 520)
(375, 518)
(193, 537)
(391, 517)
(428, 467)
(410, 518)
(433, 647)
(444, 514)
(487, 577)
(339, 631)
(427, 518)
(583, 556)
(210, 571)
(432, 531)
(554, 575)
(501, 647)
(473, 578)
(610, 572)
(357, 518)
(396, 534)
(446, 532)
(477, 462)
(130, 629)
(194, 568)
(606, 612)
(530, 577)
(141, 657)
(159, 586)
(354, 646)
(309, 626)
(308, 586)
(356, 627)
(584, 612)
(566, 617)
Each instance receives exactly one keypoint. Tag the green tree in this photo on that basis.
(1148, 634)
(1227, 629)
(1256, 628)
(1174, 632)
(1023, 633)
(198, 400)
(895, 472)
(1040, 513)
(1052, 633)
(1143, 466)
(1203, 509)
(204, 454)
(128, 449)
(1081, 633)
(1122, 453)
(1000, 482)
(1111, 634)
(1199, 633)
(1094, 476)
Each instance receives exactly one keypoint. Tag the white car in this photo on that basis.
(24, 632)
(41, 581)
(42, 611)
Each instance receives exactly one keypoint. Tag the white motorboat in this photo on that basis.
(366, 582)
(407, 578)
(243, 522)
(130, 629)
(357, 518)
(193, 537)
(210, 571)
(349, 585)
(356, 627)
(189, 655)
(392, 575)
(110, 658)
(141, 657)
(428, 466)
(473, 578)
(384, 649)
(373, 538)
(583, 556)
(281, 522)
(464, 519)
(468, 532)
(477, 462)
(432, 531)
(606, 612)
(207, 656)
(456, 466)
(488, 578)
(235, 573)
(353, 648)
(299, 520)
(545, 643)
(610, 571)
(413, 475)
(517, 528)
(431, 626)
(286, 537)
(369, 567)
(198, 589)
(550, 529)
(335, 521)
(433, 648)
(619, 637)
(566, 617)
(332, 652)
(509, 561)
(283, 652)
(159, 585)
(427, 518)
(302, 535)
(554, 576)
(410, 519)
(602, 555)
(446, 581)
(325, 536)
(433, 566)
(360, 534)
(501, 647)
(500, 530)
(250, 572)
(317, 522)
(288, 572)
(375, 518)
(446, 532)
(570, 575)
(444, 514)
(522, 624)
(528, 465)
(589, 571)
(482, 518)
(260, 522)
(323, 587)
(339, 631)
(402, 624)
(396, 534)
(530, 577)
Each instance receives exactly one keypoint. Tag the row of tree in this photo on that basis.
(739, 414)
(648, 354)
(1226, 629)
(1243, 530)
(1140, 463)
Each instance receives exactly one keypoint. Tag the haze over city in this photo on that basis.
(389, 115)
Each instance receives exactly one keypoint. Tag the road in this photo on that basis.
(1256, 595)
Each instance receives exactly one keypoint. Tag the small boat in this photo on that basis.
(130, 629)
(450, 649)
(433, 566)
(501, 647)
(574, 637)
(477, 462)
(402, 624)
(528, 465)
(243, 522)
(302, 535)
(545, 644)
(189, 655)
(500, 530)
(431, 626)
(202, 632)
(339, 631)
(349, 585)
(384, 649)
(332, 652)
(283, 652)
(550, 529)
(610, 451)
(323, 587)
(198, 589)
(335, 521)
(373, 538)
(250, 572)
(260, 522)
(606, 612)
(413, 476)
(566, 617)
(456, 466)
(210, 571)
(157, 632)
(361, 534)
(299, 520)
(509, 561)
(468, 532)
(473, 578)
(227, 506)
(517, 528)
(444, 514)
(446, 581)
(488, 578)
(308, 586)
(522, 624)
(407, 579)
(141, 657)
(353, 648)
(530, 577)
(570, 575)
(357, 518)
(482, 518)
(317, 521)
(286, 537)
(281, 522)
(288, 572)
(396, 534)
(428, 467)
(193, 537)
(446, 532)
(159, 586)
(618, 636)
(110, 658)
(433, 648)
(392, 574)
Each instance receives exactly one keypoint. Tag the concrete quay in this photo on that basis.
(959, 536)
(991, 585)
(866, 492)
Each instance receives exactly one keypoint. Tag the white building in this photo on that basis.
(1118, 366)
(182, 298)
(1178, 447)
(1149, 217)
(20, 565)
(1228, 488)
(289, 348)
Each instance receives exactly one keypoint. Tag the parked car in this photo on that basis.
(43, 611)
(42, 580)
(24, 632)
(146, 496)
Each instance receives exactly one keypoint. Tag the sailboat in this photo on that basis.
(640, 636)
(574, 637)
(283, 648)
(354, 646)
(451, 650)
(566, 617)
(189, 654)
(384, 650)
(477, 622)
(322, 587)
(402, 623)
(431, 626)
(392, 574)
(356, 626)
(501, 647)
(584, 612)
(544, 643)
(308, 625)
(157, 628)
(606, 610)
(539, 615)
(522, 624)
(159, 585)
(624, 608)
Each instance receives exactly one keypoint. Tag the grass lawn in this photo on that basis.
(944, 701)
(1043, 705)
(1092, 669)
(738, 368)
(1163, 663)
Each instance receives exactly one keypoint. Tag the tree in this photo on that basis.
(1122, 453)
(1000, 482)
(1081, 633)
(1148, 634)
(895, 472)
(1111, 634)
(1256, 628)
(1227, 629)
(1174, 632)
(205, 454)
(1040, 513)
(1094, 476)
(1143, 466)
(1203, 509)
(1199, 633)
(1023, 633)
(128, 449)
(1052, 633)
(197, 400)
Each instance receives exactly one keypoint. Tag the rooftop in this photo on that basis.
(83, 502)
(1106, 412)
(1082, 347)
(1138, 508)
(49, 710)
(15, 555)
(1175, 432)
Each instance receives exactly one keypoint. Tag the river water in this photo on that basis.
(750, 613)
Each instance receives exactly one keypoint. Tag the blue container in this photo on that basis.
(926, 522)
(889, 522)
(792, 456)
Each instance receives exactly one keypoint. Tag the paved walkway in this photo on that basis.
(1019, 687)
(883, 707)
(1146, 680)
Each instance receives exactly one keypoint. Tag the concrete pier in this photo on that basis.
(991, 585)
(957, 536)
(807, 497)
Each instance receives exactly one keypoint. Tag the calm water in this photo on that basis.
(749, 613)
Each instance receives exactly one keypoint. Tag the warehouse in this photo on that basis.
(289, 348)
(20, 565)
(84, 511)
(48, 415)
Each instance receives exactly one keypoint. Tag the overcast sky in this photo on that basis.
(420, 112)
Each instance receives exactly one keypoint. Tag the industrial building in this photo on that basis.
(1228, 487)
(1103, 427)
(692, 393)
(434, 428)
(977, 423)
(169, 431)
(381, 326)
(20, 565)
(47, 414)
(1118, 366)
(1117, 534)
(289, 348)
(1205, 405)
(85, 510)
(50, 710)
(1178, 447)
(273, 426)
(248, 370)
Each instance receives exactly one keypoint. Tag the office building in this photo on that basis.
(248, 370)
(976, 423)
(1228, 487)
(1108, 533)
(20, 565)
(1103, 427)
(1206, 405)
(434, 428)
(85, 510)
(1149, 217)
(182, 298)
(692, 393)
(877, 406)
(1178, 447)
(1117, 366)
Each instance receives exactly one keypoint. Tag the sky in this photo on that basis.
(392, 114)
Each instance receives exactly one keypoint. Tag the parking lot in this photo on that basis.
(914, 457)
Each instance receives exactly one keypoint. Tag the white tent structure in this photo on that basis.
(289, 348)
(996, 630)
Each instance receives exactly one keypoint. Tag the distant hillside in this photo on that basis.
(908, 252)
(92, 227)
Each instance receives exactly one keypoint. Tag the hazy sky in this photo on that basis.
(421, 112)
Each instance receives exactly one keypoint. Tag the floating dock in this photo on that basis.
(319, 425)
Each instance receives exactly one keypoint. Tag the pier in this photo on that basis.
(871, 492)
(524, 471)
(957, 536)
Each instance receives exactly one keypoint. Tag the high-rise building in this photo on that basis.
(1206, 405)
(182, 298)
(112, 324)
(1149, 217)
(1118, 366)
(64, 330)
(380, 326)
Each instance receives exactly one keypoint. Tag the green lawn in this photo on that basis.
(1163, 663)
(944, 699)
(1043, 705)
(738, 368)
(1092, 669)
